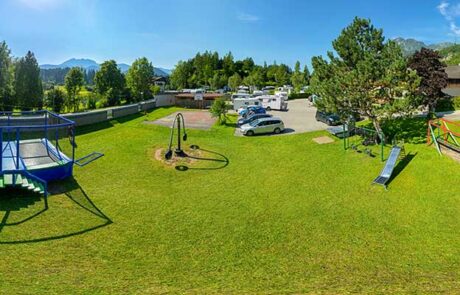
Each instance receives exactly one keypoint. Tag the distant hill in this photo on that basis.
(451, 55)
(410, 46)
(89, 64)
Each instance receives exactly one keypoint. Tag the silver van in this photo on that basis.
(264, 125)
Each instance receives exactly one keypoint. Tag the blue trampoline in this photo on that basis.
(36, 148)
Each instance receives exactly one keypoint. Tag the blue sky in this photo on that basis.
(169, 30)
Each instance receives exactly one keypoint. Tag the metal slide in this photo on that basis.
(385, 175)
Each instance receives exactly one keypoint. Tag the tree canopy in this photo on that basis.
(139, 77)
(27, 83)
(110, 82)
(429, 67)
(74, 80)
(209, 70)
(367, 76)
(6, 78)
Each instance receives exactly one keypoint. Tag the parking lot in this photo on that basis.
(299, 118)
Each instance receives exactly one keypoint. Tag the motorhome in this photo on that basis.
(245, 102)
(240, 95)
(274, 102)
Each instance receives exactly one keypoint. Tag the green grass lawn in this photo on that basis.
(286, 215)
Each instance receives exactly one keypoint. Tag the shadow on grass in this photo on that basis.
(223, 160)
(106, 124)
(410, 130)
(72, 190)
(15, 200)
(401, 166)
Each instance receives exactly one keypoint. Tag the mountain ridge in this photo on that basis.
(89, 64)
(409, 45)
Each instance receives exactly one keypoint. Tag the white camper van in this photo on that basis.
(240, 95)
(274, 102)
(245, 102)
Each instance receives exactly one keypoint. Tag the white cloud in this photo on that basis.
(450, 13)
(248, 18)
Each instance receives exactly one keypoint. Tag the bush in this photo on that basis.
(448, 104)
(92, 103)
(299, 95)
(55, 99)
(219, 109)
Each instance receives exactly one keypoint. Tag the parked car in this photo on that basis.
(264, 125)
(251, 110)
(328, 118)
(251, 118)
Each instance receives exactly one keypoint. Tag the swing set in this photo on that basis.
(361, 139)
(441, 134)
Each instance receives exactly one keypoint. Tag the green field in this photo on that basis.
(286, 215)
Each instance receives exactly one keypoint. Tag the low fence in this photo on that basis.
(97, 116)
(161, 100)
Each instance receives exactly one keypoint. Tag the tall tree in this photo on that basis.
(234, 81)
(110, 80)
(181, 74)
(27, 83)
(369, 76)
(139, 78)
(55, 99)
(430, 69)
(74, 81)
(306, 75)
(297, 78)
(6, 78)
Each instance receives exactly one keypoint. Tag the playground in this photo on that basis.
(283, 215)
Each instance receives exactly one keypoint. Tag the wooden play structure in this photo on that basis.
(444, 134)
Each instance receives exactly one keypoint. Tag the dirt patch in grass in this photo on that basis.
(159, 155)
(323, 140)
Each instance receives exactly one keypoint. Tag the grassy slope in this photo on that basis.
(303, 217)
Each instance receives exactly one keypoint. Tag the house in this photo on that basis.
(160, 81)
(453, 81)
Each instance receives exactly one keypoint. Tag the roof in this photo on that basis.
(205, 95)
(452, 91)
(453, 72)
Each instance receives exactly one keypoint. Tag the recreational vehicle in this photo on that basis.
(240, 95)
(245, 102)
(274, 102)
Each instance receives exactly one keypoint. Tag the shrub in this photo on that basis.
(299, 95)
(219, 109)
(448, 104)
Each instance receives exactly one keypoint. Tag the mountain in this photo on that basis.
(89, 64)
(410, 46)
(451, 55)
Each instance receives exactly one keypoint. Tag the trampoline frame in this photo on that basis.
(15, 131)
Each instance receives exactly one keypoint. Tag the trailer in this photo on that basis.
(245, 102)
(274, 102)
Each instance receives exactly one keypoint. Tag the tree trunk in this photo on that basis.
(431, 112)
(378, 128)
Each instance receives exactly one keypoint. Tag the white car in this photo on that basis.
(264, 125)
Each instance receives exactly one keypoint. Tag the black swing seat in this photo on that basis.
(385, 175)
(88, 159)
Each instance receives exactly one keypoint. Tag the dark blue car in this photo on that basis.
(251, 118)
(252, 110)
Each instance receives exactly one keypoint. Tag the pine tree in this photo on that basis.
(369, 76)
(27, 84)
(6, 78)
